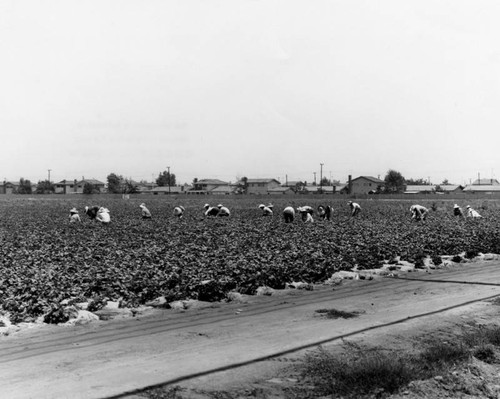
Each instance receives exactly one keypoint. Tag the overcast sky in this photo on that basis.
(227, 88)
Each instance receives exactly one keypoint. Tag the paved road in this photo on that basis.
(106, 359)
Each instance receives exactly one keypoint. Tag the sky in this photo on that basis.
(257, 88)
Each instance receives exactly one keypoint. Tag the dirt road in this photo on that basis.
(108, 359)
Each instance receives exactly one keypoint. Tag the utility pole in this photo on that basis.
(321, 178)
(168, 167)
(49, 174)
(314, 178)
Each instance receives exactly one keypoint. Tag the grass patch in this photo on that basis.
(163, 393)
(496, 301)
(361, 371)
(372, 371)
(356, 373)
(337, 314)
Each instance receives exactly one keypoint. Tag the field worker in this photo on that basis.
(289, 214)
(179, 211)
(328, 212)
(355, 208)
(223, 211)
(305, 214)
(457, 211)
(419, 212)
(74, 216)
(322, 212)
(266, 210)
(472, 213)
(325, 212)
(92, 212)
(145, 211)
(103, 215)
(211, 210)
(308, 209)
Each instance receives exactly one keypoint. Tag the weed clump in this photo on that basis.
(337, 314)
(372, 371)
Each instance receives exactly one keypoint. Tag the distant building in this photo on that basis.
(261, 186)
(430, 189)
(280, 191)
(485, 182)
(165, 190)
(208, 184)
(449, 188)
(485, 189)
(223, 190)
(320, 190)
(98, 185)
(9, 187)
(366, 185)
(65, 187)
(419, 189)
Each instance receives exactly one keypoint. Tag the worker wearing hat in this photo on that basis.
(74, 216)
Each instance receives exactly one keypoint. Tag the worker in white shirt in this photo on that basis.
(419, 212)
(146, 214)
(74, 216)
(472, 213)
(305, 213)
(266, 210)
(355, 208)
(103, 215)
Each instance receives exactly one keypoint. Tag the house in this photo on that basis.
(208, 184)
(449, 188)
(320, 190)
(366, 185)
(98, 185)
(165, 190)
(429, 189)
(65, 187)
(280, 191)
(485, 182)
(261, 186)
(485, 189)
(223, 190)
(9, 187)
(419, 189)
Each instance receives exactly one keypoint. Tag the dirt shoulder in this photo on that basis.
(255, 340)
(282, 377)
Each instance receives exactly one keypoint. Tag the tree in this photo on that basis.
(300, 186)
(416, 182)
(89, 188)
(45, 187)
(115, 183)
(24, 186)
(165, 179)
(394, 182)
(445, 182)
(129, 187)
(326, 182)
(243, 185)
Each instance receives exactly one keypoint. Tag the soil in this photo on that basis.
(476, 379)
(252, 347)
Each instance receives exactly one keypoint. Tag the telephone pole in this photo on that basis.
(321, 178)
(49, 174)
(168, 167)
(314, 173)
